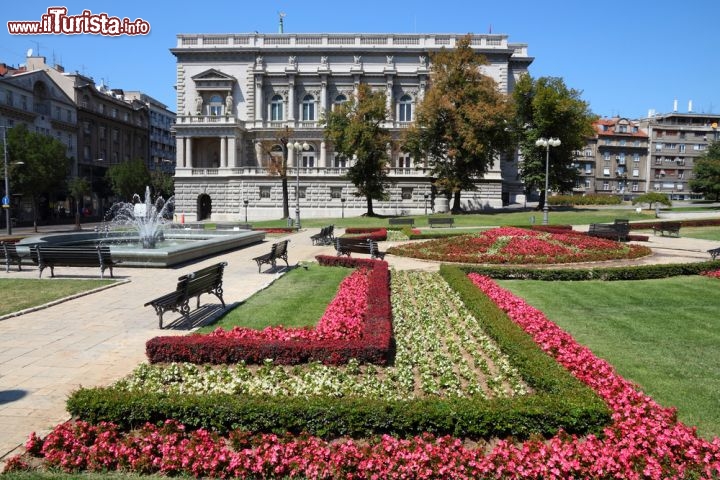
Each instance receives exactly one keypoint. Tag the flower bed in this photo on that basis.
(713, 274)
(357, 324)
(511, 245)
(375, 234)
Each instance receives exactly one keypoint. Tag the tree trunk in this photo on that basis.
(370, 212)
(286, 197)
(541, 201)
(456, 202)
(34, 211)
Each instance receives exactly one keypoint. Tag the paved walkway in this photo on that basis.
(95, 339)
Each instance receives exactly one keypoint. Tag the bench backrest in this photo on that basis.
(401, 221)
(280, 248)
(201, 281)
(82, 255)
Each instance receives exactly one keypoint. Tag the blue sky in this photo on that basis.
(625, 57)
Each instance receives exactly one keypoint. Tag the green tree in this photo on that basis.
(45, 165)
(355, 129)
(163, 184)
(652, 197)
(78, 187)
(547, 108)
(461, 125)
(128, 178)
(706, 172)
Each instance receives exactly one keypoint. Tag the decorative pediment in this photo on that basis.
(214, 80)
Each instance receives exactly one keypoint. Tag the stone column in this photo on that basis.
(259, 100)
(232, 152)
(189, 152)
(291, 98)
(389, 98)
(323, 98)
(323, 155)
(223, 152)
(180, 154)
(258, 154)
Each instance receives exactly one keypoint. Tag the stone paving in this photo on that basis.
(95, 339)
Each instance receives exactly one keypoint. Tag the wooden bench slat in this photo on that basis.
(441, 221)
(278, 251)
(346, 246)
(11, 255)
(45, 256)
(192, 285)
(401, 221)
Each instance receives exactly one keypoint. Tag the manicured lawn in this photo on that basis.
(704, 233)
(19, 294)
(662, 334)
(297, 299)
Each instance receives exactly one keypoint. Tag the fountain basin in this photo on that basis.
(179, 246)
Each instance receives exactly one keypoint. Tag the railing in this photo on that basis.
(291, 171)
(208, 120)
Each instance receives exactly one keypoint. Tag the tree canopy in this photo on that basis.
(652, 197)
(355, 130)
(460, 126)
(129, 178)
(706, 172)
(547, 108)
(45, 164)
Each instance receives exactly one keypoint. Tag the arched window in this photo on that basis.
(405, 109)
(216, 105)
(308, 157)
(339, 100)
(308, 108)
(276, 108)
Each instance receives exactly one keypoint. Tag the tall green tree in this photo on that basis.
(461, 125)
(277, 153)
(355, 130)
(128, 178)
(547, 108)
(706, 172)
(163, 184)
(45, 165)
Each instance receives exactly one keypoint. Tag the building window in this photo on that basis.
(339, 161)
(636, 157)
(404, 161)
(276, 109)
(339, 100)
(587, 183)
(606, 172)
(335, 192)
(265, 192)
(635, 186)
(588, 168)
(406, 193)
(622, 128)
(308, 108)
(636, 172)
(215, 106)
(606, 156)
(606, 185)
(405, 109)
(303, 192)
(681, 148)
(308, 157)
(659, 147)
(621, 158)
(622, 142)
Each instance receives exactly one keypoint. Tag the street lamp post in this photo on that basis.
(547, 143)
(245, 202)
(296, 147)
(6, 200)
(342, 205)
(425, 196)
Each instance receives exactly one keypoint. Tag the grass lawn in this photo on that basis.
(661, 334)
(19, 294)
(297, 299)
(704, 233)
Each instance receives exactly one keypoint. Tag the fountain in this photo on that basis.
(142, 234)
(146, 217)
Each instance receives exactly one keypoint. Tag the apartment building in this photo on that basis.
(675, 141)
(162, 138)
(236, 92)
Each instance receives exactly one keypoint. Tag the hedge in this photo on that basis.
(376, 344)
(558, 401)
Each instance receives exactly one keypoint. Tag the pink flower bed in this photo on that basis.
(713, 274)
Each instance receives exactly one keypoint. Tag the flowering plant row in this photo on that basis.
(644, 441)
(435, 335)
(713, 274)
(520, 246)
(374, 234)
(357, 324)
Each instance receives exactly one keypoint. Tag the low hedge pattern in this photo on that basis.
(637, 272)
(376, 234)
(375, 345)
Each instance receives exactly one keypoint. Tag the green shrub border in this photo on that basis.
(559, 400)
(633, 272)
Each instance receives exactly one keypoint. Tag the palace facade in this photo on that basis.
(237, 93)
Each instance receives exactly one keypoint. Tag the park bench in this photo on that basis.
(401, 221)
(277, 251)
(671, 228)
(612, 231)
(45, 256)
(11, 255)
(714, 252)
(346, 246)
(434, 221)
(326, 236)
(192, 285)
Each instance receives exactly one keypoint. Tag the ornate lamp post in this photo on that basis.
(425, 196)
(547, 143)
(296, 147)
(245, 202)
(342, 205)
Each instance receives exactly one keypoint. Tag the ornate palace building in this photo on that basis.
(237, 93)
